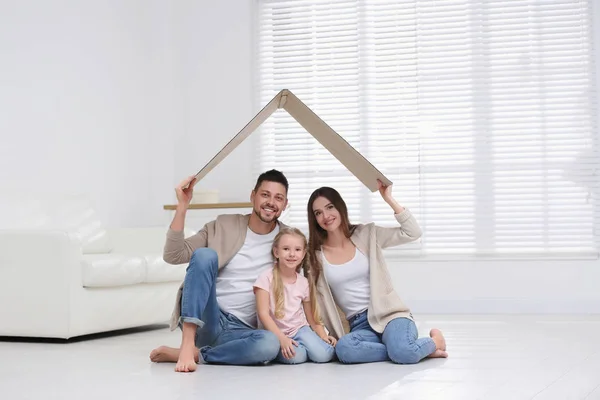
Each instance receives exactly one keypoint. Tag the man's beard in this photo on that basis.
(258, 214)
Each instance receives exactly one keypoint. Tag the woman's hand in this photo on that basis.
(287, 347)
(385, 191)
(386, 195)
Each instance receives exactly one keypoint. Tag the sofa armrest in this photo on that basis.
(38, 271)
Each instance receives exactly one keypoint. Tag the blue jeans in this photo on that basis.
(310, 347)
(398, 343)
(221, 337)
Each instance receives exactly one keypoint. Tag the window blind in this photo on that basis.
(482, 113)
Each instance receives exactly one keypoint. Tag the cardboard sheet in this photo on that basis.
(323, 133)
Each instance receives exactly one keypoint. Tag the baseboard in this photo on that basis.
(505, 306)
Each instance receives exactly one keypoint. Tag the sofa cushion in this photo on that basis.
(157, 270)
(106, 270)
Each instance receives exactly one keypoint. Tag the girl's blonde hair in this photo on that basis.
(278, 282)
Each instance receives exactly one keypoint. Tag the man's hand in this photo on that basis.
(287, 347)
(185, 191)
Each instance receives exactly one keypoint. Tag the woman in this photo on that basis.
(347, 264)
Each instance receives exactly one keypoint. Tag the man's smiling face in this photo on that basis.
(269, 201)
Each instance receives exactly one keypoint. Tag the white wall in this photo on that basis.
(510, 286)
(504, 286)
(214, 46)
(121, 99)
(85, 103)
(125, 98)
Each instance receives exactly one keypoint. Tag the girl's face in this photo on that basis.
(290, 251)
(327, 216)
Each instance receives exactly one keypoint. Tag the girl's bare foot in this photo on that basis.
(164, 354)
(438, 354)
(188, 357)
(438, 338)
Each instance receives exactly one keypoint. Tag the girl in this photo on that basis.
(347, 265)
(285, 303)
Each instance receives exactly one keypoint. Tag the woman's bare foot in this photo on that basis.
(188, 357)
(438, 354)
(164, 354)
(438, 339)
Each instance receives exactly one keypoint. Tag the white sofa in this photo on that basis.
(62, 274)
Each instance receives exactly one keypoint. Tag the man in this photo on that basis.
(215, 305)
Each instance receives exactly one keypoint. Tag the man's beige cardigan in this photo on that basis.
(385, 304)
(225, 235)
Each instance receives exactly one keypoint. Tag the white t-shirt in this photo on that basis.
(234, 283)
(350, 283)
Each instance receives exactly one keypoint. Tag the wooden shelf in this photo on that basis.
(207, 206)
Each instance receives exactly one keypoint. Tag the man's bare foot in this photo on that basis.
(188, 357)
(438, 354)
(164, 354)
(438, 338)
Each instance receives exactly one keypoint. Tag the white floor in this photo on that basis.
(491, 357)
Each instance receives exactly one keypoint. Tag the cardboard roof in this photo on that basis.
(330, 139)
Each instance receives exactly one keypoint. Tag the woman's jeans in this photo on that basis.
(398, 343)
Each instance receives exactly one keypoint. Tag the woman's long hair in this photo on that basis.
(318, 235)
(278, 293)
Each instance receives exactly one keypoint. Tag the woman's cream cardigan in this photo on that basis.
(385, 304)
